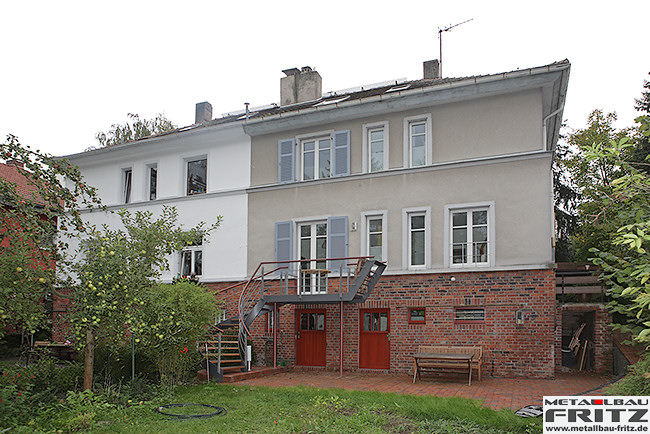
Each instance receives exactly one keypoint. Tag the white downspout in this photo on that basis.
(544, 138)
(545, 148)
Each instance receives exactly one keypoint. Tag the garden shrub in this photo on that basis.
(29, 392)
(178, 315)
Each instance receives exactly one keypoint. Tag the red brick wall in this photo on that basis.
(60, 327)
(603, 342)
(509, 350)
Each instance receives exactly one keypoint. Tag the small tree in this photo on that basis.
(626, 266)
(117, 275)
(589, 184)
(134, 129)
(53, 193)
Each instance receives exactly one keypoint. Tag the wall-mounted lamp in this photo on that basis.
(453, 279)
(519, 317)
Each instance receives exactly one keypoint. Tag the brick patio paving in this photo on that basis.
(512, 393)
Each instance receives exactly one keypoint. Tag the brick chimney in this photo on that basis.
(431, 69)
(203, 112)
(300, 85)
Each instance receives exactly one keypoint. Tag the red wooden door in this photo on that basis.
(310, 337)
(374, 339)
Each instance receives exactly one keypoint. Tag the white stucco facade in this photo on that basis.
(226, 150)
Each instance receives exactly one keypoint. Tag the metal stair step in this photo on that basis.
(231, 368)
(230, 362)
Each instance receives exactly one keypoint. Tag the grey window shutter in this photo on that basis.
(341, 153)
(337, 242)
(286, 157)
(283, 243)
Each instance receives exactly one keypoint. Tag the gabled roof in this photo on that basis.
(358, 95)
(12, 174)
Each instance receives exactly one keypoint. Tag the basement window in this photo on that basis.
(470, 315)
(416, 315)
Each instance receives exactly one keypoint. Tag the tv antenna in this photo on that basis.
(447, 29)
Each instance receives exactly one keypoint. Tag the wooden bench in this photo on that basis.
(61, 350)
(445, 358)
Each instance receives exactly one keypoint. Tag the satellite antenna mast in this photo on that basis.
(447, 29)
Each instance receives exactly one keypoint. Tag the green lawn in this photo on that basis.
(305, 410)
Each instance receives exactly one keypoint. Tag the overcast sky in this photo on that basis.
(71, 69)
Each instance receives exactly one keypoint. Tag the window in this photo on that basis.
(376, 138)
(312, 244)
(373, 239)
(416, 315)
(417, 236)
(197, 176)
(375, 321)
(468, 315)
(153, 181)
(316, 158)
(312, 321)
(127, 181)
(416, 239)
(320, 156)
(192, 260)
(375, 242)
(417, 141)
(375, 147)
(469, 239)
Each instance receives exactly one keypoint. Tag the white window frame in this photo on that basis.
(468, 207)
(406, 237)
(124, 198)
(147, 183)
(365, 237)
(193, 250)
(408, 121)
(186, 162)
(367, 128)
(317, 286)
(315, 137)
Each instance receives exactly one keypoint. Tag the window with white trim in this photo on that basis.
(152, 185)
(312, 245)
(127, 182)
(417, 141)
(375, 147)
(469, 235)
(197, 175)
(375, 237)
(416, 239)
(192, 260)
(316, 158)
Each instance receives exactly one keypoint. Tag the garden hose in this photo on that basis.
(220, 411)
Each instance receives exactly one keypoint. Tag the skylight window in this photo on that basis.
(398, 88)
(332, 101)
